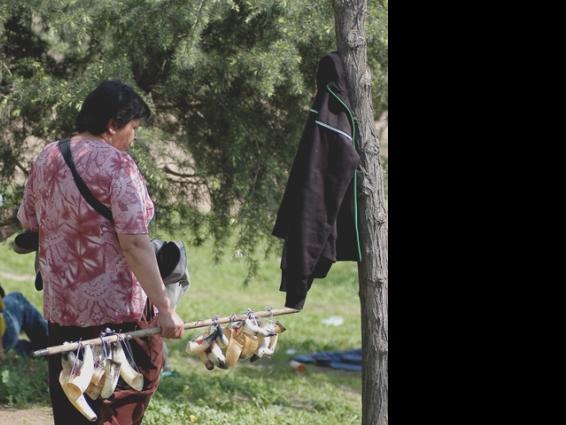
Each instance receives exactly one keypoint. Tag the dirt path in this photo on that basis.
(19, 278)
(33, 416)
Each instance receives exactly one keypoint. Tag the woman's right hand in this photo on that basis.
(171, 324)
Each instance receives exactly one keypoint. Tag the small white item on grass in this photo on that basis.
(291, 351)
(333, 321)
(298, 366)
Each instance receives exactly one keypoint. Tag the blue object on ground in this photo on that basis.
(22, 316)
(342, 360)
(346, 366)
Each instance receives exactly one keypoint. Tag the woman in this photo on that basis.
(97, 273)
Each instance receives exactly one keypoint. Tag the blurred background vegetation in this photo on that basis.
(229, 82)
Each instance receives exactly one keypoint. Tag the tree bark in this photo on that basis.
(350, 17)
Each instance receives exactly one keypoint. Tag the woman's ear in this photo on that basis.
(111, 127)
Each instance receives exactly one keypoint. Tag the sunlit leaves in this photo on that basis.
(229, 82)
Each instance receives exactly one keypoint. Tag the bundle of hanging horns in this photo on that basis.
(244, 339)
(97, 373)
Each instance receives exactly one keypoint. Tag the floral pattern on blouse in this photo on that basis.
(86, 279)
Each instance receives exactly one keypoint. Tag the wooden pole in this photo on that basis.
(56, 349)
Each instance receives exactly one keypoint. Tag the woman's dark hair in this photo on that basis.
(110, 100)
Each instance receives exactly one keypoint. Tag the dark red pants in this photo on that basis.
(126, 406)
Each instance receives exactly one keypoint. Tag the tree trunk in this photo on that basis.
(350, 17)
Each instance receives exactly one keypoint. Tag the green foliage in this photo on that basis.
(378, 54)
(268, 391)
(229, 82)
(23, 381)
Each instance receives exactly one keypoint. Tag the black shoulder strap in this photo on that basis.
(63, 146)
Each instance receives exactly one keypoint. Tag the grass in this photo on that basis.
(268, 391)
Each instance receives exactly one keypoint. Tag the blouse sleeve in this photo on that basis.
(132, 209)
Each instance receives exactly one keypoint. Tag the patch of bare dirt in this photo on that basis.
(17, 277)
(32, 416)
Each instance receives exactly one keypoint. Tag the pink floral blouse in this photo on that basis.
(86, 279)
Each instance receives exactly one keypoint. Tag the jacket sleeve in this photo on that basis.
(328, 166)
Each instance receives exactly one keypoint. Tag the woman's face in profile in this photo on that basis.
(124, 137)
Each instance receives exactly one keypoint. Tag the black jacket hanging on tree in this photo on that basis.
(317, 217)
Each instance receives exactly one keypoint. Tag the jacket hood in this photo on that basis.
(331, 70)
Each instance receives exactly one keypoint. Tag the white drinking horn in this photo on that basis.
(131, 376)
(79, 402)
(265, 341)
(271, 347)
(263, 346)
(227, 332)
(252, 329)
(216, 356)
(198, 345)
(221, 338)
(269, 329)
(67, 360)
(110, 379)
(233, 352)
(250, 346)
(93, 390)
(80, 378)
(278, 328)
(97, 382)
(205, 360)
(99, 363)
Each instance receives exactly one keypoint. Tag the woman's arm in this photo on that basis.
(140, 256)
